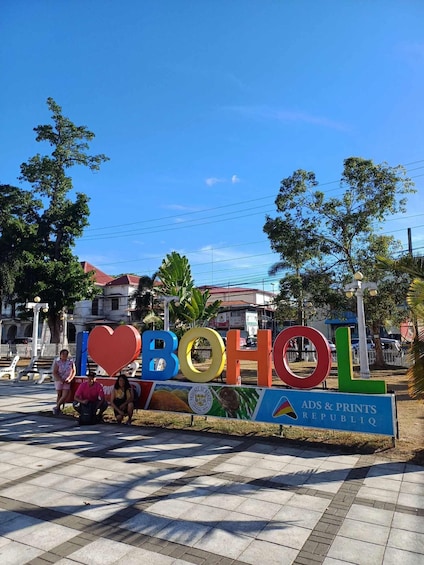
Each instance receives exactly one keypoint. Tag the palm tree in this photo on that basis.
(192, 308)
(197, 312)
(144, 298)
(413, 266)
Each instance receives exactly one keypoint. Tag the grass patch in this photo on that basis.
(306, 437)
(410, 413)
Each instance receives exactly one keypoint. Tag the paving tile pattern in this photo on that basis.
(118, 494)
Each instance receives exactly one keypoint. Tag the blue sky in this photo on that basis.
(204, 106)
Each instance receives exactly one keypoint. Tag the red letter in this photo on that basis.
(324, 359)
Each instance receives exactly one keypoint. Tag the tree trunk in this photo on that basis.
(55, 327)
(379, 358)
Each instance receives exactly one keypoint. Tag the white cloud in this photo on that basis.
(180, 208)
(281, 115)
(214, 180)
(228, 257)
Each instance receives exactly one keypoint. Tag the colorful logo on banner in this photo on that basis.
(284, 408)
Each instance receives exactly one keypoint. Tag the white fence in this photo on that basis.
(24, 350)
(53, 349)
(390, 357)
(398, 359)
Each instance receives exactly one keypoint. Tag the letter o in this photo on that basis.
(218, 355)
(324, 358)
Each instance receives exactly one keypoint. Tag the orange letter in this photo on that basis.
(262, 355)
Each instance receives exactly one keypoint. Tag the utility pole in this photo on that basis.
(410, 253)
(410, 242)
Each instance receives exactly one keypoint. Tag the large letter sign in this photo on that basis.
(361, 405)
(324, 358)
(114, 350)
(345, 369)
(151, 354)
(218, 355)
(262, 356)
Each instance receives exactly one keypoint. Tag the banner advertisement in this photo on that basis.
(310, 409)
(359, 405)
(321, 409)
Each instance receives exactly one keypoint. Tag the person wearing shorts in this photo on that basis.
(122, 399)
(63, 374)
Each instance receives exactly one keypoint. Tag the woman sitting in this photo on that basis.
(122, 399)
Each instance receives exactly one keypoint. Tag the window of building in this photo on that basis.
(95, 307)
(115, 303)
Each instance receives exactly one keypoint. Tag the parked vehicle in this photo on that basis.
(391, 344)
(332, 346)
(355, 343)
(223, 334)
(252, 341)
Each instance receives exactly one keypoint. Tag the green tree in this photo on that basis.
(18, 217)
(197, 311)
(413, 267)
(52, 271)
(294, 235)
(323, 240)
(191, 309)
(144, 298)
(175, 276)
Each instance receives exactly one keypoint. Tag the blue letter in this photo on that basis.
(150, 355)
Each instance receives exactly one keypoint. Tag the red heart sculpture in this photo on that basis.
(114, 350)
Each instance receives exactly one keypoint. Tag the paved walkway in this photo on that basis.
(116, 494)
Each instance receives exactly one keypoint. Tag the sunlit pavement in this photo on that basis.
(117, 494)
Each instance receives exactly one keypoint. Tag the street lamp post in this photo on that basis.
(166, 301)
(65, 329)
(65, 319)
(357, 286)
(274, 308)
(36, 306)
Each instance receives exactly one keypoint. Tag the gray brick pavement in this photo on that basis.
(110, 494)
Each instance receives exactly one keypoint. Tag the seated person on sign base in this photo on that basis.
(122, 399)
(89, 400)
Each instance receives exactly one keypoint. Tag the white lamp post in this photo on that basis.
(65, 329)
(65, 318)
(357, 286)
(36, 306)
(129, 316)
(166, 301)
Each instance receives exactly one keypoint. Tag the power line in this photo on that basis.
(224, 216)
(206, 210)
(185, 225)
